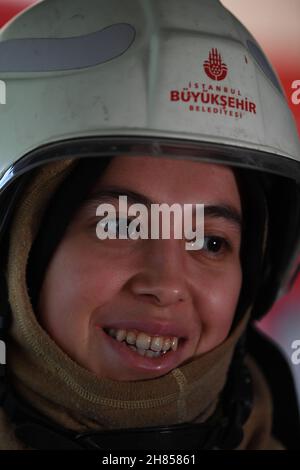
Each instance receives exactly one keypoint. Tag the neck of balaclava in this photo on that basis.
(76, 399)
(72, 396)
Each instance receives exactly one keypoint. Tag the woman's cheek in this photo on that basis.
(217, 314)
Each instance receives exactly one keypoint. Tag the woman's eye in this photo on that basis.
(119, 227)
(214, 244)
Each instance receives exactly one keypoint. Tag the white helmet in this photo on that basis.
(149, 77)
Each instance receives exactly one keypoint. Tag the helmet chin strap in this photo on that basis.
(223, 430)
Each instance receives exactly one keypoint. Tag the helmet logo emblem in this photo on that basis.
(214, 67)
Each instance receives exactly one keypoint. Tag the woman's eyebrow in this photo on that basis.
(223, 210)
(114, 192)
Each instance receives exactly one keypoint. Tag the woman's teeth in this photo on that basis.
(143, 344)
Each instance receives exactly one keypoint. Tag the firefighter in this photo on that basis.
(140, 343)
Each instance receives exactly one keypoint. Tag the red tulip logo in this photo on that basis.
(214, 67)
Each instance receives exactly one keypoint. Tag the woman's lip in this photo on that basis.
(152, 329)
(133, 360)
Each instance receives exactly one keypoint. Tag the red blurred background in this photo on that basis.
(276, 26)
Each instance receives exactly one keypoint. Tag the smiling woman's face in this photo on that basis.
(153, 292)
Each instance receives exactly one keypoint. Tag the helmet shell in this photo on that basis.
(166, 68)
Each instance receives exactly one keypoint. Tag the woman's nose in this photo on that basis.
(162, 278)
